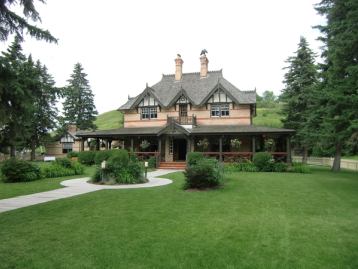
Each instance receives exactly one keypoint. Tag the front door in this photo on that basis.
(179, 149)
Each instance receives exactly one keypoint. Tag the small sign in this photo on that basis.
(145, 164)
(103, 165)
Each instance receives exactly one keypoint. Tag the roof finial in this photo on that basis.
(129, 97)
(146, 84)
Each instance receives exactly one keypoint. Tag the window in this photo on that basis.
(220, 110)
(66, 147)
(149, 113)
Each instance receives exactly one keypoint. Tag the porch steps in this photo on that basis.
(172, 165)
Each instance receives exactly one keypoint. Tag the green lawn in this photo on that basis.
(257, 220)
(268, 117)
(109, 120)
(8, 190)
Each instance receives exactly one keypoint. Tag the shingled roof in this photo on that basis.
(197, 89)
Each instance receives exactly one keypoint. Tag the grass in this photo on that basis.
(355, 158)
(269, 117)
(257, 220)
(8, 190)
(109, 120)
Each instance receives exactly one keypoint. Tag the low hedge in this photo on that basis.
(264, 162)
(87, 157)
(62, 167)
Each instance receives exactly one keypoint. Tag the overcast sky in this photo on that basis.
(124, 44)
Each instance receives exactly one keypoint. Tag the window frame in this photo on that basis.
(222, 110)
(151, 112)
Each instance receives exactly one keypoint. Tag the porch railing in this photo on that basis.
(231, 156)
(182, 120)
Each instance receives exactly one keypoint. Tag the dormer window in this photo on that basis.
(182, 100)
(149, 113)
(148, 100)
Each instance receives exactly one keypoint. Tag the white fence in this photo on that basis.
(347, 164)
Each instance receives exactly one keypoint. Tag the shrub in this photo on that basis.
(65, 162)
(299, 168)
(241, 167)
(61, 168)
(86, 157)
(152, 162)
(194, 157)
(14, 170)
(103, 155)
(263, 161)
(280, 167)
(121, 169)
(204, 174)
(72, 154)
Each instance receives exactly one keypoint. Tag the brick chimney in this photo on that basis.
(178, 67)
(203, 65)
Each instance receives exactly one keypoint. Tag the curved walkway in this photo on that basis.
(78, 186)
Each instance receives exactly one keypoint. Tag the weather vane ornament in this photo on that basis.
(203, 52)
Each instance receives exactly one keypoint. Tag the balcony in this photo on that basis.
(182, 120)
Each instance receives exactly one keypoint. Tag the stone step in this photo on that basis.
(172, 165)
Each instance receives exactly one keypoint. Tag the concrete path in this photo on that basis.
(78, 186)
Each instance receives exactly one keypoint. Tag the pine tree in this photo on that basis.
(79, 105)
(300, 82)
(339, 98)
(12, 23)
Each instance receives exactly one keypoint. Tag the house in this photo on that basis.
(66, 143)
(200, 111)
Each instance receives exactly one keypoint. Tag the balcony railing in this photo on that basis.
(182, 120)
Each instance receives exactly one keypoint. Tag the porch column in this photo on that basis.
(288, 149)
(221, 148)
(159, 157)
(132, 144)
(188, 146)
(107, 144)
(82, 147)
(253, 145)
(110, 144)
(97, 144)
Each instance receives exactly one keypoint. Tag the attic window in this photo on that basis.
(148, 100)
(219, 96)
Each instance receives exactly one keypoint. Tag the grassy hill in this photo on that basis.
(265, 117)
(109, 120)
(269, 117)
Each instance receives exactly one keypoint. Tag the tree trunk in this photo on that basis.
(305, 155)
(33, 149)
(12, 150)
(337, 157)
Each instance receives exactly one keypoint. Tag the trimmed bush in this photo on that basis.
(65, 162)
(14, 170)
(72, 154)
(194, 157)
(86, 157)
(205, 173)
(103, 155)
(264, 161)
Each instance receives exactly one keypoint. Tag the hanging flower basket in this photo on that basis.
(235, 144)
(270, 145)
(144, 145)
(203, 144)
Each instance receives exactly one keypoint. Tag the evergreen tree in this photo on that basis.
(43, 116)
(339, 98)
(300, 82)
(79, 105)
(12, 23)
(16, 96)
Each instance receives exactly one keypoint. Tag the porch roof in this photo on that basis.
(202, 129)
